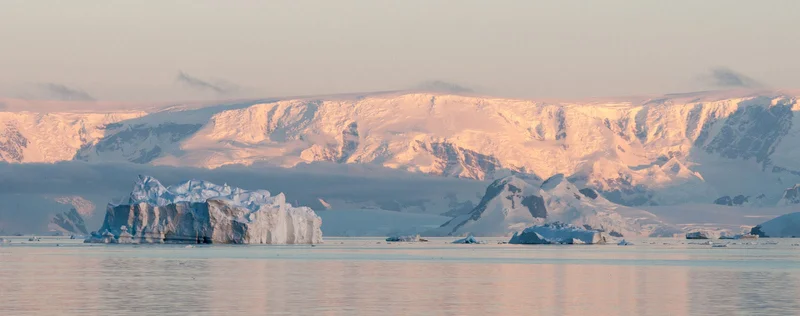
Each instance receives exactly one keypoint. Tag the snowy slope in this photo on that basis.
(509, 204)
(784, 226)
(666, 150)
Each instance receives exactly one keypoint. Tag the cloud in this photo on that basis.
(61, 92)
(203, 85)
(443, 86)
(725, 77)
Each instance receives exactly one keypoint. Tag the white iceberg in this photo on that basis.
(468, 240)
(784, 226)
(202, 212)
(624, 243)
(557, 233)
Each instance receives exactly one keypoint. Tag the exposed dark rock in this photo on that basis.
(757, 231)
(590, 193)
(70, 222)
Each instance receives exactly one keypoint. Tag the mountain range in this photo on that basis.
(732, 148)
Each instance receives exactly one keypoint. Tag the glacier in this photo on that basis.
(557, 233)
(203, 212)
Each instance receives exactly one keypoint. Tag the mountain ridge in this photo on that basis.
(636, 151)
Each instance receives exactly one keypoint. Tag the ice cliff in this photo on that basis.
(203, 212)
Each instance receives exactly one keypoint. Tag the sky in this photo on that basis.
(154, 50)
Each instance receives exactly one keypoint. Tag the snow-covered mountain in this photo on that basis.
(666, 150)
(511, 204)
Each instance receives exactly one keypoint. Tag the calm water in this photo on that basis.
(362, 277)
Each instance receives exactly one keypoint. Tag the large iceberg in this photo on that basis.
(203, 212)
(557, 233)
(784, 226)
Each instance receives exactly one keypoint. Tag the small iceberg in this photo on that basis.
(405, 238)
(557, 233)
(624, 243)
(698, 235)
(468, 240)
(97, 238)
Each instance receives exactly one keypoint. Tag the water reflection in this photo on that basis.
(37, 282)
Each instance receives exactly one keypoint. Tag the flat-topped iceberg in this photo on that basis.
(557, 233)
(203, 212)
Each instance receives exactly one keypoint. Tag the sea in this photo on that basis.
(369, 276)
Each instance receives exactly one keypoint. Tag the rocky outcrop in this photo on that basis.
(791, 196)
(12, 144)
(738, 200)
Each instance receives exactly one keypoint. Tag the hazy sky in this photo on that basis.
(198, 49)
